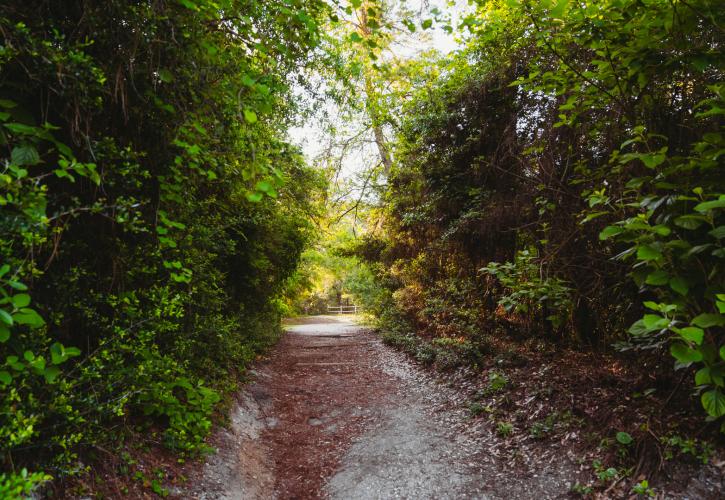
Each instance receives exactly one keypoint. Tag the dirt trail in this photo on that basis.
(335, 414)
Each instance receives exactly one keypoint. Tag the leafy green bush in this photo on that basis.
(528, 292)
(15, 486)
(152, 213)
(573, 153)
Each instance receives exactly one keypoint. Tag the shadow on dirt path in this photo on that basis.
(333, 413)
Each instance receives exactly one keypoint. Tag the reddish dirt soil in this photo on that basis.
(322, 390)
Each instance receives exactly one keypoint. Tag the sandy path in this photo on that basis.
(335, 414)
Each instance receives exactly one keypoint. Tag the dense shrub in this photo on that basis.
(565, 168)
(151, 215)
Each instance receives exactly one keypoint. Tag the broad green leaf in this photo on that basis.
(250, 116)
(255, 197)
(38, 364)
(658, 277)
(72, 352)
(21, 300)
(28, 317)
(22, 129)
(5, 377)
(57, 355)
(189, 4)
(17, 285)
(624, 438)
(638, 329)
(708, 320)
(714, 403)
(264, 186)
(51, 373)
(702, 377)
(655, 322)
(710, 205)
(24, 155)
(648, 253)
(690, 221)
(679, 285)
(165, 75)
(4, 333)
(692, 334)
(610, 231)
(652, 160)
(684, 354)
(718, 233)
(6, 318)
(662, 230)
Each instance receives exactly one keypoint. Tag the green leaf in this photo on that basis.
(684, 354)
(264, 186)
(624, 438)
(658, 277)
(165, 75)
(710, 205)
(610, 231)
(679, 285)
(255, 197)
(655, 322)
(355, 37)
(702, 377)
(559, 9)
(5, 317)
(250, 116)
(426, 24)
(51, 373)
(17, 285)
(708, 320)
(5, 377)
(648, 253)
(651, 160)
(21, 300)
(690, 221)
(714, 403)
(22, 129)
(28, 317)
(718, 233)
(189, 4)
(57, 356)
(4, 333)
(71, 352)
(692, 334)
(722, 353)
(24, 155)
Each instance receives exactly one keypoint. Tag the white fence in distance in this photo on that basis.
(344, 309)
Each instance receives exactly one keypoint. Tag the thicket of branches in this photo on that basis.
(563, 178)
